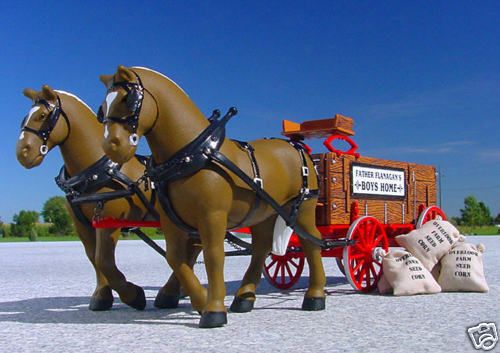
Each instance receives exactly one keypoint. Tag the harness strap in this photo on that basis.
(134, 189)
(166, 204)
(226, 162)
(77, 211)
(257, 179)
(304, 191)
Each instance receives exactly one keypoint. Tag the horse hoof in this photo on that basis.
(241, 305)
(139, 301)
(211, 319)
(97, 304)
(313, 304)
(166, 301)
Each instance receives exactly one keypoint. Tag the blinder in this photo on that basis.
(134, 98)
(48, 125)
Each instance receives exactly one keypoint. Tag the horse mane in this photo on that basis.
(160, 74)
(75, 97)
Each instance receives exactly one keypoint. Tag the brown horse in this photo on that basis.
(212, 199)
(61, 119)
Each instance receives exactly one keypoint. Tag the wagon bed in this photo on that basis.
(368, 200)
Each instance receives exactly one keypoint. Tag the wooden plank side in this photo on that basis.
(424, 172)
(335, 190)
(385, 211)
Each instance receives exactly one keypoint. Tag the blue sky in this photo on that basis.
(421, 79)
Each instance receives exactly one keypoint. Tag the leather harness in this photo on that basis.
(82, 188)
(204, 151)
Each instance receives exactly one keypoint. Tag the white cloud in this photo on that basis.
(492, 155)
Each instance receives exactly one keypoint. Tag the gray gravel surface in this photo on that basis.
(45, 289)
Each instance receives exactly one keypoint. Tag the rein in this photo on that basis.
(48, 126)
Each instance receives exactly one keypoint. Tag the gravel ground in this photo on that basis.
(45, 290)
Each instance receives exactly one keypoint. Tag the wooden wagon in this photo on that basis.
(368, 200)
(365, 202)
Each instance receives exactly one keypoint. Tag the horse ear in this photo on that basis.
(48, 93)
(106, 79)
(30, 93)
(125, 74)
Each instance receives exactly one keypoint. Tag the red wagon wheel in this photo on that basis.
(284, 271)
(430, 213)
(363, 260)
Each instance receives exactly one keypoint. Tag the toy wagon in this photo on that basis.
(366, 200)
(364, 203)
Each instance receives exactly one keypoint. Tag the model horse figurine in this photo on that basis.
(61, 119)
(208, 183)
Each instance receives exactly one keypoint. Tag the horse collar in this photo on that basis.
(195, 155)
(91, 178)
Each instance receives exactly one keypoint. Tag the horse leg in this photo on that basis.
(178, 245)
(129, 293)
(212, 232)
(102, 298)
(168, 296)
(314, 298)
(244, 298)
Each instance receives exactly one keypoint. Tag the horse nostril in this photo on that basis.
(25, 151)
(114, 143)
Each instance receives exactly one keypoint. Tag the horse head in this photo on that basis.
(41, 129)
(126, 112)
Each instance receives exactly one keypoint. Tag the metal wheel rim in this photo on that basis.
(430, 213)
(362, 271)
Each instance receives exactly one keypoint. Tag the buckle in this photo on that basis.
(305, 171)
(259, 182)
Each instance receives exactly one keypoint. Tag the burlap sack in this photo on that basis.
(436, 271)
(383, 285)
(406, 274)
(462, 269)
(431, 242)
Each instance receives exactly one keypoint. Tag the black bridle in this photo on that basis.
(48, 125)
(135, 96)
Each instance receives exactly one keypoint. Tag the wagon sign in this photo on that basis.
(369, 180)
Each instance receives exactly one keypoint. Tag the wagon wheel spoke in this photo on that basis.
(373, 271)
(357, 256)
(359, 264)
(361, 276)
(276, 271)
(289, 270)
(283, 272)
(292, 262)
(373, 231)
(271, 264)
(367, 277)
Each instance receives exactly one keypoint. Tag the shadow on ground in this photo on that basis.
(74, 310)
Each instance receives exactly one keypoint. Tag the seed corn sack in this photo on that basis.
(462, 269)
(406, 274)
(430, 242)
(383, 285)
